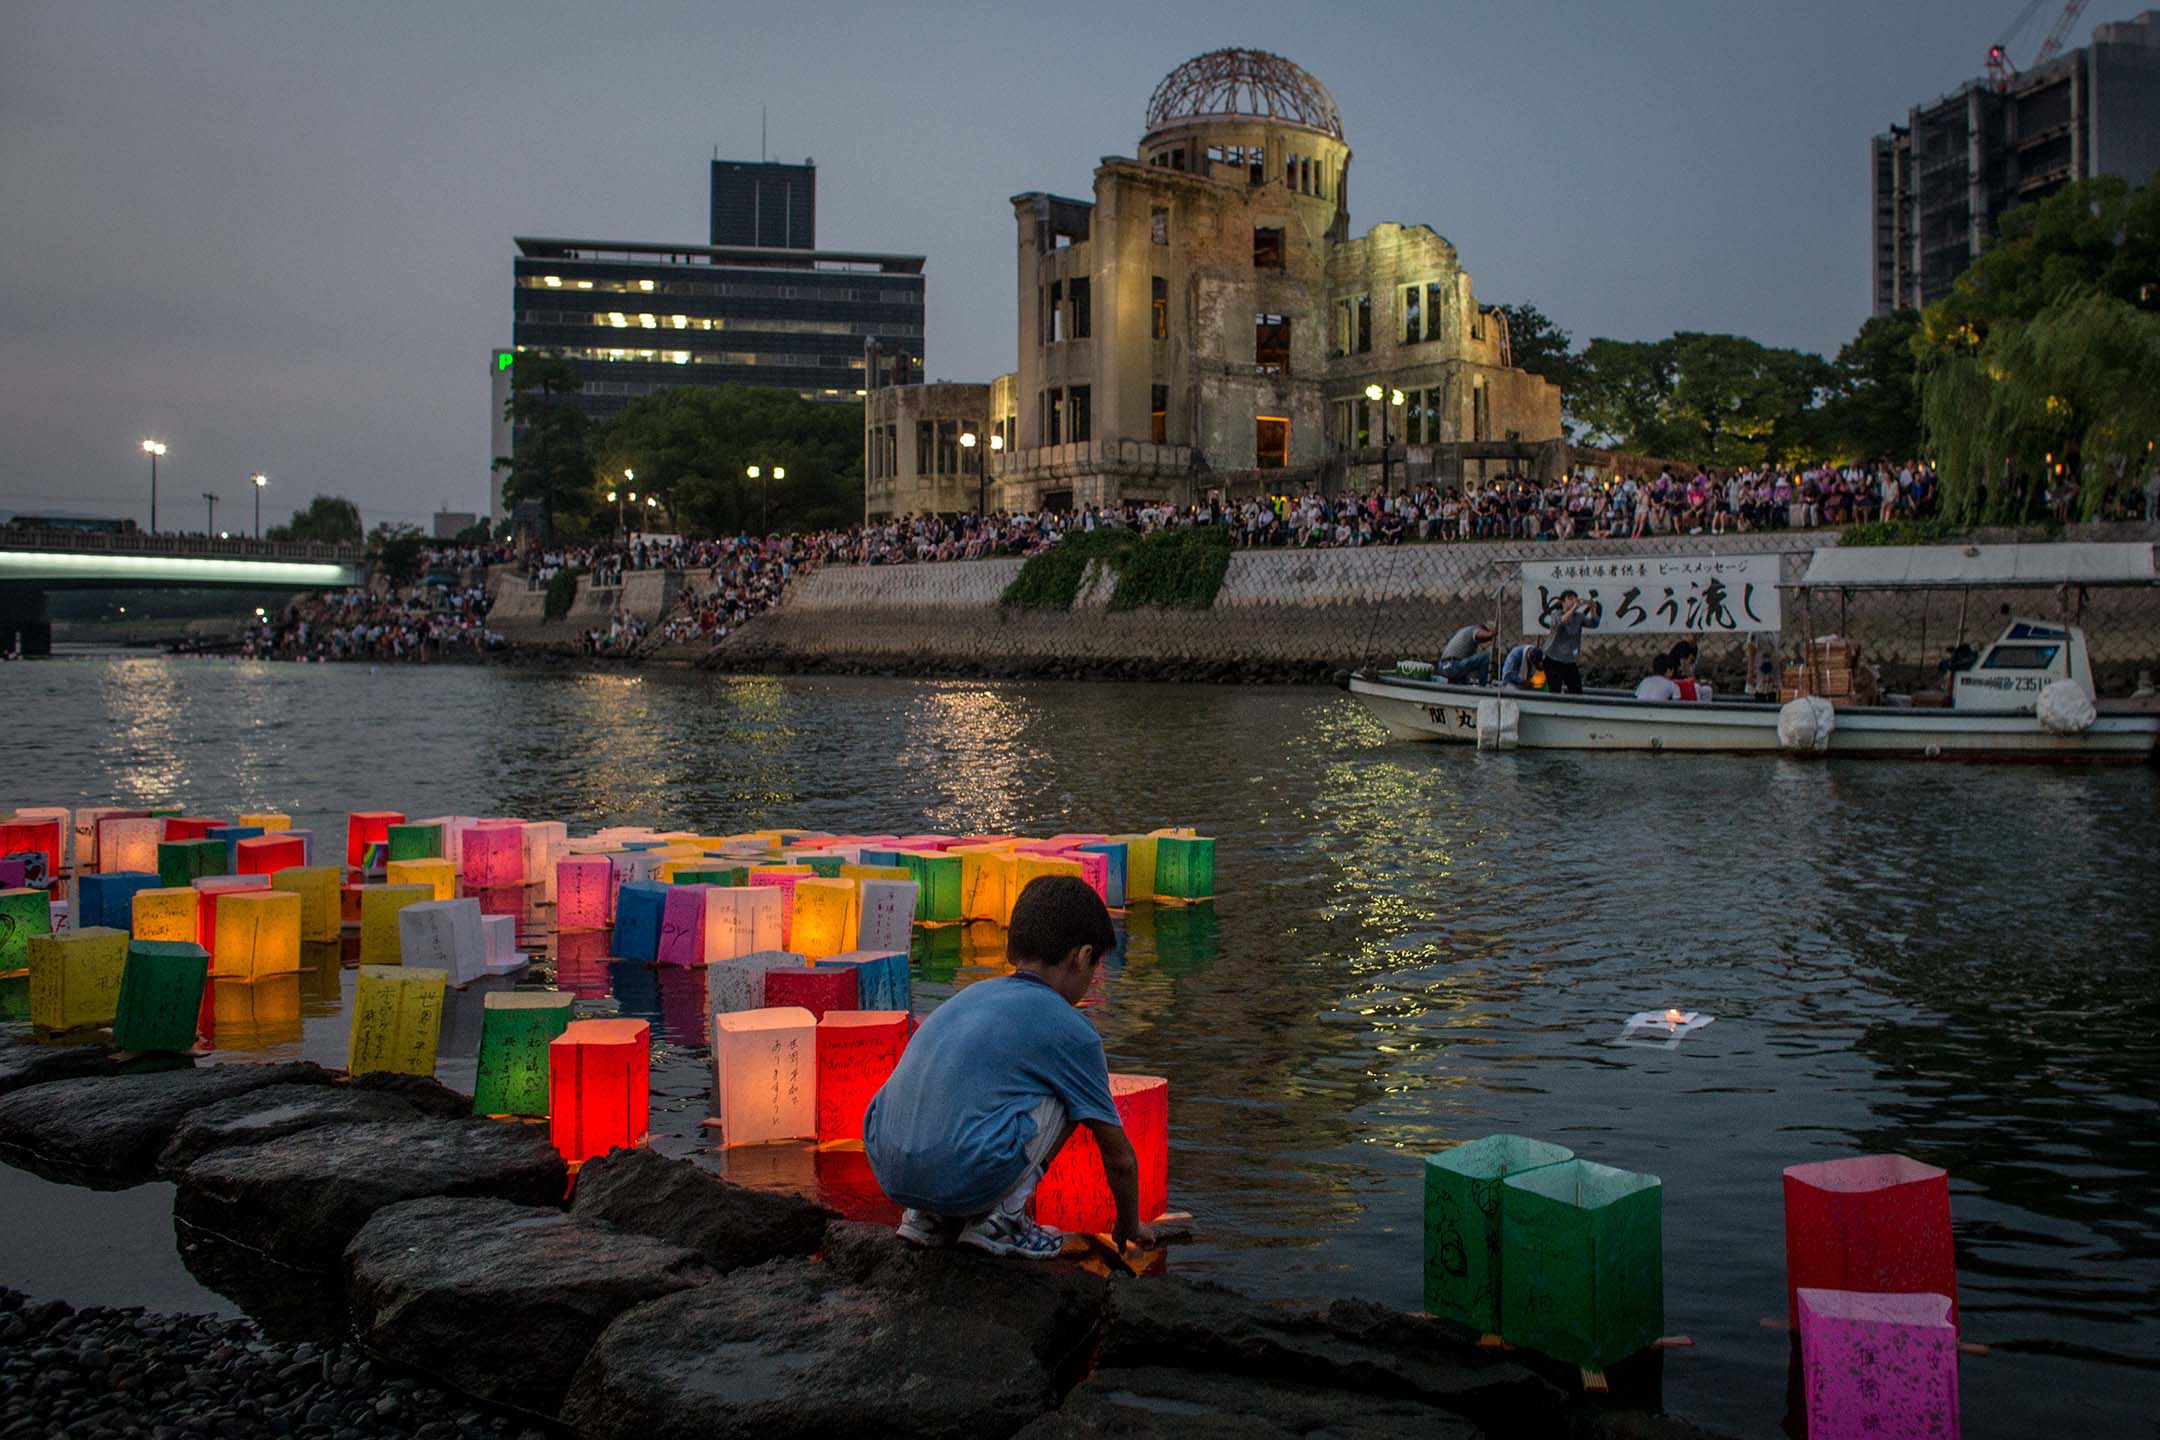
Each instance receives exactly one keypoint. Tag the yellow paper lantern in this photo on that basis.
(379, 906)
(1139, 865)
(1027, 868)
(860, 873)
(396, 1020)
(438, 875)
(75, 977)
(167, 914)
(258, 934)
(269, 820)
(985, 873)
(823, 909)
(321, 907)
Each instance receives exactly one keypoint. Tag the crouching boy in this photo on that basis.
(995, 1083)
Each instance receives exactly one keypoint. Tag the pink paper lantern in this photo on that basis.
(1094, 868)
(1872, 1222)
(1878, 1367)
(584, 893)
(682, 926)
(784, 882)
(819, 991)
(494, 854)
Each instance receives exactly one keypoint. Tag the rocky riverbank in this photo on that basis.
(654, 1300)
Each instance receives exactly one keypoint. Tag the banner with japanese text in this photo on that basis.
(1658, 594)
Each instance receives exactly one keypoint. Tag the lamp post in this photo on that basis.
(1387, 442)
(153, 448)
(628, 476)
(260, 481)
(211, 500)
(982, 486)
(778, 472)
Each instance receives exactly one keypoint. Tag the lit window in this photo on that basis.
(584, 284)
(645, 285)
(682, 322)
(617, 319)
(649, 322)
(682, 357)
(553, 282)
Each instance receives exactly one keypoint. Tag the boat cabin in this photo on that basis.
(2009, 675)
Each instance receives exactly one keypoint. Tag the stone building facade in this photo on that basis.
(1207, 323)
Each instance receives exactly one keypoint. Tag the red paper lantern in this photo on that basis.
(41, 835)
(1878, 1223)
(368, 827)
(599, 1087)
(1074, 1194)
(268, 854)
(856, 1052)
(816, 990)
(189, 827)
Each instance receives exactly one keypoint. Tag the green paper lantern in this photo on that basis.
(160, 995)
(825, 867)
(182, 862)
(415, 842)
(1582, 1247)
(1184, 868)
(1462, 1224)
(937, 886)
(14, 997)
(23, 913)
(515, 1030)
(736, 877)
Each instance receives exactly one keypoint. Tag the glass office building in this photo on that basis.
(764, 203)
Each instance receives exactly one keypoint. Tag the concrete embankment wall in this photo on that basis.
(519, 613)
(1304, 614)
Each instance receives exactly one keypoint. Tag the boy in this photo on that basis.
(996, 1081)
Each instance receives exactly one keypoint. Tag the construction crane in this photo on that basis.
(2001, 69)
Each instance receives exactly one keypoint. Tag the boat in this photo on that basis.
(2028, 696)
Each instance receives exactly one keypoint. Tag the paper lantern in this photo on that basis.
(494, 854)
(258, 934)
(599, 1078)
(161, 994)
(1027, 869)
(443, 935)
(1074, 1194)
(1462, 1224)
(856, 1052)
(743, 920)
(268, 854)
(546, 842)
(189, 827)
(937, 879)
(182, 862)
(232, 835)
(268, 821)
(639, 907)
(984, 871)
(254, 1015)
(737, 982)
(824, 912)
(516, 1028)
(63, 853)
(818, 990)
(379, 933)
(498, 942)
(860, 873)
(704, 872)
(881, 978)
(75, 977)
(1114, 891)
(414, 840)
(885, 916)
(109, 899)
(438, 875)
(1139, 864)
(1878, 1366)
(207, 889)
(1871, 1222)
(368, 827)
(321, 916)
(41, 834)
(87, 820)
(1582, 1249)
(781, 878)
(1094, 869)
(15, 872)
(128, 843)
(23, 914)
(765, 1075)
(632, 865)
(396, 1020)
(584, 892)
(167, 916)
(1184, 868)
(682, 926)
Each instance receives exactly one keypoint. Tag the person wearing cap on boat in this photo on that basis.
(1464, 659)
(1521, 664)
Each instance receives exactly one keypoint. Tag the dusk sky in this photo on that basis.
(278, 236)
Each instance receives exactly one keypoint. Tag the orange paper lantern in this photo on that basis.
(258, 934)
(599, 1087)
(167, 915)
(207, 889)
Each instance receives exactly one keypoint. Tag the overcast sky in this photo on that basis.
(278, 236)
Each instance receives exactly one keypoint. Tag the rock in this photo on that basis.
(501, 1300)
(109, 1130)
(301, 1198)
(423, 1092)
(878, 1338)
(730, 1225)
(273, 1111)
(1163, 1401)
(24, 1060)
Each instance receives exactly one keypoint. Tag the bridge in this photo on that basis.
(34, 561)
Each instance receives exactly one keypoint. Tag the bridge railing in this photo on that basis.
(139, 542)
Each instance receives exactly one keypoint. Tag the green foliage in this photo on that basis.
(1705, 399)
(553, 464)
(1873, 410)
(1539, 346)
(328, 520)
(1179, 569)
(693, 447)
(561, 590)
(477, 533)
(1932, 531)
(1051, 580)
(396, 550)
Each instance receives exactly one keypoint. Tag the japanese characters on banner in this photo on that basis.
(1658, 595)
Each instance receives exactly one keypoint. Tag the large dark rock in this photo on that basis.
(501, 1300)
(277, 1110)
(876, 1339)
(730, 1225)
(108, 1130)
(1163, 1401)
(301, 1198)
(423, 1092)
(24, 1060)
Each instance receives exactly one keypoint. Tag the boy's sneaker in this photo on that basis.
(932, 1232)
(999, 1233)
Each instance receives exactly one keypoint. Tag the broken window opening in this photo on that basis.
(1177, 158)
(925, 445)
(1477, 330)
(1079, 423)
(971, 456)
(1159, 225)
(948, 447)
(1271, 441)
(1413, 315)
(1256, 163)
(1053, 404)
(1480, 412)
(1267, 247)
(1159, 414)
(1159, 289)
(1063, 242)
(1353, 325)
(1271, 344)
(1082, 310)
(1435, 309)
(1057, 311)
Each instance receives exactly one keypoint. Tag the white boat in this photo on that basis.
(1995, 709)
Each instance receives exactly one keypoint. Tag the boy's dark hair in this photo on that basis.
(1662, 665)
(1055, 915)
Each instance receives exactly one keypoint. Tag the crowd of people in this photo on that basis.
(428, 621)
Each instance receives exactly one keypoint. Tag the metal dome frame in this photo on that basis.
(1244, 83)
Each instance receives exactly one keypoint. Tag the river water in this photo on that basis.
(1411, 946)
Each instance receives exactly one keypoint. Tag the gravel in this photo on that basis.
(104, 1374)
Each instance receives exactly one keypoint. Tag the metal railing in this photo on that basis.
(141, 542)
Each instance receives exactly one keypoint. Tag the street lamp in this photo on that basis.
(260, 481)
(982, 486)
(153, 448)
(1387, 443)
(779, 472)
(211, 500)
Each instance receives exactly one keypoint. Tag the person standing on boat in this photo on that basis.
(1563, 647)
(1464, 659)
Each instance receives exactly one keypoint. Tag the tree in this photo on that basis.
(1539, 346)
(1873, 410)
(692, 447)
(328, 520)
(396, 550)
(553, 463)
(1703, 399)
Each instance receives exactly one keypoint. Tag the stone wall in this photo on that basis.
(1307, 614)
(517, 611)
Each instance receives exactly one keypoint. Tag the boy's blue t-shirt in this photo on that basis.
(949, 1131)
